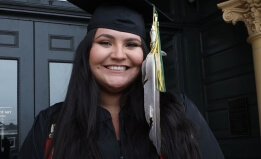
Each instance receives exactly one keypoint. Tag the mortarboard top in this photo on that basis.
(122, 15)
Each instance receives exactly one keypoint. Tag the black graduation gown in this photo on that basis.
(34, 144)
(208, 144)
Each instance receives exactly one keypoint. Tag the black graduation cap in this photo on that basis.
(122, 15)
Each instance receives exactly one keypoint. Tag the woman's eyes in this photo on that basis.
(105, 43)
(128, 45)
(132, 45)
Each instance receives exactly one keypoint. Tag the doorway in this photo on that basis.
(35, 65)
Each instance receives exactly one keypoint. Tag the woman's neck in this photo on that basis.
(111, 102)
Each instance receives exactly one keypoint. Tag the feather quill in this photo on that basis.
(153, 83)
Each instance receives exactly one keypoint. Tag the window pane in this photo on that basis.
(8, 108)
(59, 79)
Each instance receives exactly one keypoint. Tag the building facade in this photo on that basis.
(208, 59)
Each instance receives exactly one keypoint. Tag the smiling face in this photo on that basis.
(115, 59)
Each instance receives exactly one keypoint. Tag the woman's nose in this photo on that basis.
(119, 54)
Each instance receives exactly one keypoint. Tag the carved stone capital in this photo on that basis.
(248, 11)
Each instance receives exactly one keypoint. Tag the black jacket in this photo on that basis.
(34, 144)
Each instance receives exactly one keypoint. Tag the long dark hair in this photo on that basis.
(76, 126)
(76, 131)
(179, 136)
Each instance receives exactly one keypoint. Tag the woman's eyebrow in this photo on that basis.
(133, 39)
(105, 35)
(112, 37)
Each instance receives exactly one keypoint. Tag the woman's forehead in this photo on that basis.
(115, 33)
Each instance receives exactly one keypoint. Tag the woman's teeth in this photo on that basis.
(117, 68)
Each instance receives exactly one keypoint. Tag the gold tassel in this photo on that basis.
(156, 50)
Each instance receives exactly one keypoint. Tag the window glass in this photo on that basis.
(59, 79)
(8, 108)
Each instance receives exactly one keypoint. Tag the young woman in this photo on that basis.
(102, 116)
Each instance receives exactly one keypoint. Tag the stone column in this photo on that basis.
(249, 12)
